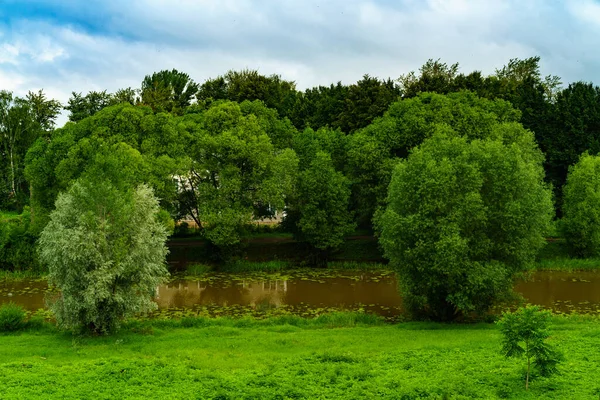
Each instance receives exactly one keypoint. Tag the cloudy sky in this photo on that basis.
(71, 45)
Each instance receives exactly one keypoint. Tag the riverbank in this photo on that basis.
(289, 358)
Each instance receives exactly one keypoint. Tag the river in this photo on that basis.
(310, 292)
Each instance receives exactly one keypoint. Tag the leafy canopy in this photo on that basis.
(463, 217)
(235, 171)
(374, 150)
(581, 207)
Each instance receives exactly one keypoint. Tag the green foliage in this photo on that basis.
(12, 317)
(80, 106)
(289, 357)
(168, 91)
(126, 144)
(374, 150)
(323, 198)
(236, 173)
(22, 121)
(463, 218)
(16, 242)
(347, 108)
(524, 334)
(239, 86)
(105, 251)
(197, 269)
(581, 208)
(251, 266)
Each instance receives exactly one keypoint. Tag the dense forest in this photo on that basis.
(332, 159)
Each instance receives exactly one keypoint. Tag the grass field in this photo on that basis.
(344, 356)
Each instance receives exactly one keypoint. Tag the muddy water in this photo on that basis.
(308, 292)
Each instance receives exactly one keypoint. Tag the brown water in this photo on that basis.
(310, 292)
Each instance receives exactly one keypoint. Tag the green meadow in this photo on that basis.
(341, 356)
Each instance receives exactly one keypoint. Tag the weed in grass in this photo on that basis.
(12, 317)
(357, 265)
(197, 269)
(250, 266)
(21, 275)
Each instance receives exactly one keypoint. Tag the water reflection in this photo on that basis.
(371, 290)
(310, 289)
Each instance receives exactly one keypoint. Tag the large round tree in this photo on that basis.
(105, 251)
(463, 218)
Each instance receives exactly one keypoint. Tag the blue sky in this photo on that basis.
(64, 46)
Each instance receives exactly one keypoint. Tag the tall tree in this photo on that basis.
(275, 92)
(235, 172)
(434, 76)
(22, 121)
(149, 147)
(581, 208)
(319, 107)
(575, 123)
(168, 91)
(80, 106)
(374, 150)
(366, 100)
(105, 250)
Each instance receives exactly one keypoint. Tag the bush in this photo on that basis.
(16, 243)
(12, 317)
(581, 207)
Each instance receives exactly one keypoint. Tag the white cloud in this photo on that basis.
(311, 42)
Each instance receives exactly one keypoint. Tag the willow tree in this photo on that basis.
(105, 251)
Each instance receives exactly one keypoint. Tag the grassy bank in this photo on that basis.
(288, 358)
(555, 257)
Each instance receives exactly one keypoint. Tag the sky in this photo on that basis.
(67, 45)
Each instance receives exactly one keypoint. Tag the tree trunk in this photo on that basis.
(12, 173)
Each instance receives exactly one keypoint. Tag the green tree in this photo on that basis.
(366, 100)
(434, 76)
(235, 172)
(575, 120)
(374, 150)
(80, 106)
(581, 207)
(524, 334)
(132, 144)
(105, 251)
(463, 218)
(319, 107)
(22, 121)
(239, 86)
(168, 91)
(323, 197)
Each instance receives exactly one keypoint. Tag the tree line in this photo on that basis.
(458, 174)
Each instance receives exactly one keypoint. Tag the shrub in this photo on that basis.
(16, 242)
(524, 334)
(12, 317)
